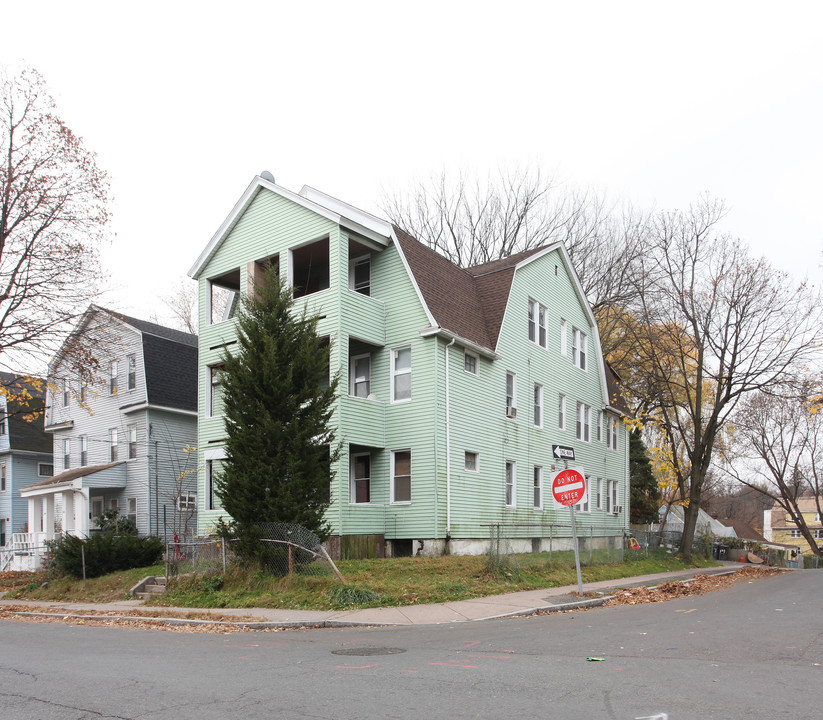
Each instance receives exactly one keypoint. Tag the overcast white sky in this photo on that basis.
(652, 102)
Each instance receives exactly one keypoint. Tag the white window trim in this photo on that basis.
(352, 486)
(392, 470)
(40, 467)
(353, 261)
(537, 473)
(586, 507)
(562, 411)
(538, 406)
(467, 354)
(352, 366)
(536, 310)
(131, 429)
(131, 369)
(580, 350)
(211, 501)
(466, 467)
(114, 443)
(187, 502)
(84, 450)
(66, 454)
(583, 422)
(564, 338)
(513, 405)
(513, 465)
(113, 372)
(210, 385)
(403, 371)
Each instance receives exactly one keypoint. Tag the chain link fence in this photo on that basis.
(556, 541)
(280, 549)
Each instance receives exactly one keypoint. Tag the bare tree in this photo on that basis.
(779, 443)
(53, 216)
(709, 325)
(472, 222)
(182, 302)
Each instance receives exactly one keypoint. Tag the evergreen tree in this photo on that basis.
(277, 405)
(645, 494)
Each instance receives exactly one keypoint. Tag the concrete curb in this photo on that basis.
(249, 625)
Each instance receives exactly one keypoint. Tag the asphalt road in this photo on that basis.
(753, 651)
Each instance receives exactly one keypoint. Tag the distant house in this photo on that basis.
(779, 526)
(706, 524)
(25, 454)
(121, 422)
(457, 386)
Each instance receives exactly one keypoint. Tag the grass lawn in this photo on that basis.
(371, 583)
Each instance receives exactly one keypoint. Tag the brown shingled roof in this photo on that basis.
(471, 302)
(449, 292)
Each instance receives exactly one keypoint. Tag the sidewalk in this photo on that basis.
(484, 608)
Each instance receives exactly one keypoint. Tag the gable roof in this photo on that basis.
(24, 434)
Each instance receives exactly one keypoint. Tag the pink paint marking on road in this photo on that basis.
(451, 664)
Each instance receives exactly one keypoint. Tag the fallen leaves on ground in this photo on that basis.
(131, 619)
(700, 585)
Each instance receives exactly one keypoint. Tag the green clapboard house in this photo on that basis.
(454, 383)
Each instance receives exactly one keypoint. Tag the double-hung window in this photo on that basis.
(132, 431)
(584, 419)
(470, 362)
(187, 502)
(538, 405)
(132, 360)
(215, 390)
(561, 411)
(563, 338)
(360, 491)
(511, 395)
(611, 496)
(579, 348)
(66, 394)
(537, 323)
(113, 444)
(585, 506)
(361, 376)
(84, 450)
(611, 433)
(401, 374)
(212, 472)
(66, 454)
(538, 487)
(511, 479)
(113, 378)
(401, 476)
(360, 274)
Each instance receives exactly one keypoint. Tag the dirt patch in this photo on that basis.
(700, 585)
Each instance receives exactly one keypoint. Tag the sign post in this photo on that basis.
(569, 489)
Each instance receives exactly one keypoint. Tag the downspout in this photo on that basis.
(448, 450)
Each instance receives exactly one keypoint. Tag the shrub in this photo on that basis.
(347, 595)
(104, 553)
(109, 521)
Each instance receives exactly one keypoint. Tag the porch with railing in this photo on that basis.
(26, 551)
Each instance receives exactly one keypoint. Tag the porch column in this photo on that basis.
(48, 516)
(34, 514)
(81, 512)
(68, 512)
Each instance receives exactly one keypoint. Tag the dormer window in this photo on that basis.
(360, 274)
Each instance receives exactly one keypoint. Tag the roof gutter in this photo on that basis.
(436, 331)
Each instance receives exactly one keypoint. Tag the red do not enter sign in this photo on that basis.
(569, 487)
